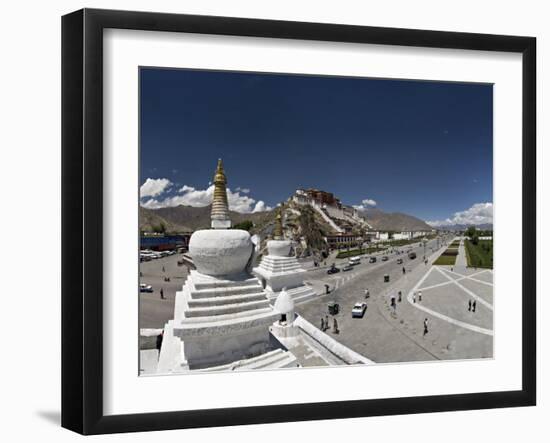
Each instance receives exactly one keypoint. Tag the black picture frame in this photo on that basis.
(82, 218)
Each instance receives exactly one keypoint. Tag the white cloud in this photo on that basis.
(154, 186)
(190, 196)
(261, 206)
(243, 190)
(365, 203)
(477, 214)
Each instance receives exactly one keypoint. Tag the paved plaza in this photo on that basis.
(386, 335)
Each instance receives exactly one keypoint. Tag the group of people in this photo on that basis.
(325, 325)
(417, 295)
(472, 305)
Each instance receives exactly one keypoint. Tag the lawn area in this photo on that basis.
(447, 257)
(354, 252)
(480, 255)
(401, 242)
(445, 260)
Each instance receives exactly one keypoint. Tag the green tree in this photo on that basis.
(470, 232)
(245, 225)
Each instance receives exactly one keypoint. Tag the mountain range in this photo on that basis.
(189, 218)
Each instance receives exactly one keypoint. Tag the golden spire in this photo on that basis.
(278, 229)
(220, 208)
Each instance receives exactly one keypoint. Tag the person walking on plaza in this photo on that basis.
(414, 297)
(327, 289)
(404, 270)
(163, 269)
(474, 306)
(327, 325)
(399, 296)
(425, 326)
(161, 293)
(419, 296)
(322, 324)
(469, 305)
(335, 327)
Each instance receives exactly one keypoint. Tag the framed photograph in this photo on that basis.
(268, 221)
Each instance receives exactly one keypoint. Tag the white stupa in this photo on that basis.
(279, 269)
(222, 314)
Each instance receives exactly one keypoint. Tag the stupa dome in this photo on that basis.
(220, 251)
(279, 248)
(284, 303)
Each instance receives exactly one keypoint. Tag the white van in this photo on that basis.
(355, 261)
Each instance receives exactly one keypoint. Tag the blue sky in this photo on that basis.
(423, 148)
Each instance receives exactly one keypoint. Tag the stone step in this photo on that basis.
(280, 268)
(234, 308)
(230, 299)
(270, 360)
(227, 291)
(206, 282)
(214, 322)
(277, 360)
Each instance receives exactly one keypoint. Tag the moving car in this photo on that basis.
(372, 260)
(333, 270)
(145, 288)
(385, 258)
(348, 267)
(333, 308)
(412, 255)
(358, 310)
(355, 261)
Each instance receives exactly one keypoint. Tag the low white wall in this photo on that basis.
(338, 349)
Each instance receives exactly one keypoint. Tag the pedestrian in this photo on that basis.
(161, 294)
(474, 306)
(404, 270)
(425, 326)
(451, 269)
(419, 296)
(327, 289)
(399, 296)
(414, 297)
(159, 341)
(322, 324)
(163, 270)
(327, 325)
(335, 327)
(367, 293)
(469, 305)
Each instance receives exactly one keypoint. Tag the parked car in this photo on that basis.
(333, 270)
(358, 310)
(145, 288)
(399, 261)
(348, 267)
(372, 260)
(385, 258)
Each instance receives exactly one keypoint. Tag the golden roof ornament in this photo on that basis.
(278, 229)
(220, 208)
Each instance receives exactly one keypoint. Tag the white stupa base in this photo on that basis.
(276, 273)
(219, 320)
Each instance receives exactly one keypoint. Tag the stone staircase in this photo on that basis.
(276, 359)
(212, 303)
